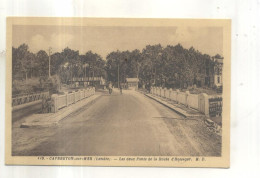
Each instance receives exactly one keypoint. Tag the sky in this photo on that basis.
(105, 39)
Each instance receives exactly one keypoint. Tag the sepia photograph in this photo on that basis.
(118, 92)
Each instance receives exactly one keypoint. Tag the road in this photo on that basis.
(120, 125)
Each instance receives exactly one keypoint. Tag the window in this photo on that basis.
(218, 79)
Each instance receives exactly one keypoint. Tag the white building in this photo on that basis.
(132, 83)
(218, 68)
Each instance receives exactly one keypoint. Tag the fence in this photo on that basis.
(215, 106)
(208, 105)
(61, 101)
(29, 98)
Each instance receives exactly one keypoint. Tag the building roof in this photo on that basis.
(87, 79)
(132, 79)
(219, 60)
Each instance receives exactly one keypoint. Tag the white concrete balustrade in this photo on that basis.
(199, 102)
(61, 101)
(174, 95)
(182, 98)
(70, 98)
(193, 101)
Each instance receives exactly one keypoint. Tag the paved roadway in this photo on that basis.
(119, 125)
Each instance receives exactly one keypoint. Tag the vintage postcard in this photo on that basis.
(118, 92)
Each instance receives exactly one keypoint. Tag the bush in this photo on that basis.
(51, 84)
(22, 87)
(36, 85)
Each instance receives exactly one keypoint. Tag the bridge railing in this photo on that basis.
(61, 101)
(29, 98)
(206, 104)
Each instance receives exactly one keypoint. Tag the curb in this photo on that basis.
(55, 123)
(166, 105)
(211, 125)
(39, 125)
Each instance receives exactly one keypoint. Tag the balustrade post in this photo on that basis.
(67, 98)
(74, 97)
(81, 94)
(163, 92)
(170, 93)
(204, 104)
(84, 93)
(54, 101)
(177, 93)
(187, 93)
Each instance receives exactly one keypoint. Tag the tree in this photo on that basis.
(24, 62)
(172, 66)
(127, 62)
(95, 64)
(42, 63)
(152, 57)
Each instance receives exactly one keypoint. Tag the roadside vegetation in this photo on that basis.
(155, 65)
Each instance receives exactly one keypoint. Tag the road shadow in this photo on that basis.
(172, 118)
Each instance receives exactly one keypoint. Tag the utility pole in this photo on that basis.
(93, 76)
(50, 61)
(85, 72)
(118, 74)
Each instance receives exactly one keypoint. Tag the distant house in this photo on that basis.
(218, 67)
(210, 74)
(132, 83)
(88, 81)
